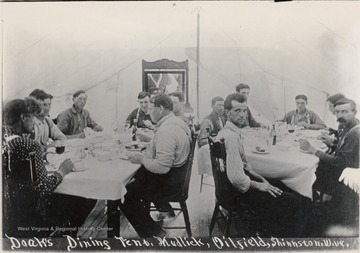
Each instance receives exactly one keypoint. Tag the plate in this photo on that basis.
(258, 152)
(134, 149)
(79, 169)
(304, 151)
(123, 156)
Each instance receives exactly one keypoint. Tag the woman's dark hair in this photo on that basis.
(17, 107)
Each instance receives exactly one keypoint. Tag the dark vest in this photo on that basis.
(215, 122)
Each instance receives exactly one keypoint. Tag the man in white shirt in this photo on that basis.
(163, 168)
(280, 212)
(44, 127)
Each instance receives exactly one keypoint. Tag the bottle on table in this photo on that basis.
(134, 130)
(273, 135)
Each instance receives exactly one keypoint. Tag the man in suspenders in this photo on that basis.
(141, 113)
(44, 127)
(302, 116)
(346, 155)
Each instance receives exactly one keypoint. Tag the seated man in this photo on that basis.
(332, 139)
(346, 155)
(19, 120)
(244, 90)
(302, 116)
(162, 170)
(141, 113)
(74, 120)
(214, 121)
(178, 103)
(280, 212)
(44, 127)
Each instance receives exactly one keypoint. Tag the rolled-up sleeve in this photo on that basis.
(235, 165)
(63, 122)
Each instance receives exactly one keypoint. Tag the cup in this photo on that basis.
(60, 150)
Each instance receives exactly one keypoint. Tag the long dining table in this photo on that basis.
(295, 168)
(94, 178)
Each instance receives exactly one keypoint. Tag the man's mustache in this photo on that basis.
(341, 120)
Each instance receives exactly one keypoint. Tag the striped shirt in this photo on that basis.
(236, 160)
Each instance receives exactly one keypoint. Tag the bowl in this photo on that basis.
(79, 165)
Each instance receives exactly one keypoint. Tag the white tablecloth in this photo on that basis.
(351, 178)
(102, 180)
(294, 168)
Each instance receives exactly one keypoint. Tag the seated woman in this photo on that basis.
(18, 124)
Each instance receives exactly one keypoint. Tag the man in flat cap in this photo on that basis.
(302, 116)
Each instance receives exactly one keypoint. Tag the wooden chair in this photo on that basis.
(223, 189)
(181, 197)
(21, 203)
(203, 177)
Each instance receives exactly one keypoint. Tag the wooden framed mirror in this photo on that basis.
(166, 76)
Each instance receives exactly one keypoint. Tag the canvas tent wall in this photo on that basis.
(279, 50)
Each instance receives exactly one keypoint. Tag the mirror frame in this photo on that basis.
(166, 66)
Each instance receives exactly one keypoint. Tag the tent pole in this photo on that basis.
(197, 64)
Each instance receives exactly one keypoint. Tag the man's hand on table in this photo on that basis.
(327, 139)
(66, 167)
(304, 124)
(266, 187)
(135, 158)
(305, 145)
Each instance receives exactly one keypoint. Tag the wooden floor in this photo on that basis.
(200, 206)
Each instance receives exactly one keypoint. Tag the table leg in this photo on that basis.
(113, 218)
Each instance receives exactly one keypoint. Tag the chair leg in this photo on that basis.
(201, 181)
(213, 219)
(228, 223)
(186, 218)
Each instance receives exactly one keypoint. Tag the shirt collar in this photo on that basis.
(162, 121)
(39, 121)
(306, 112)
(351, 124)
(232, 127)
(74, 110)
(142, 112)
